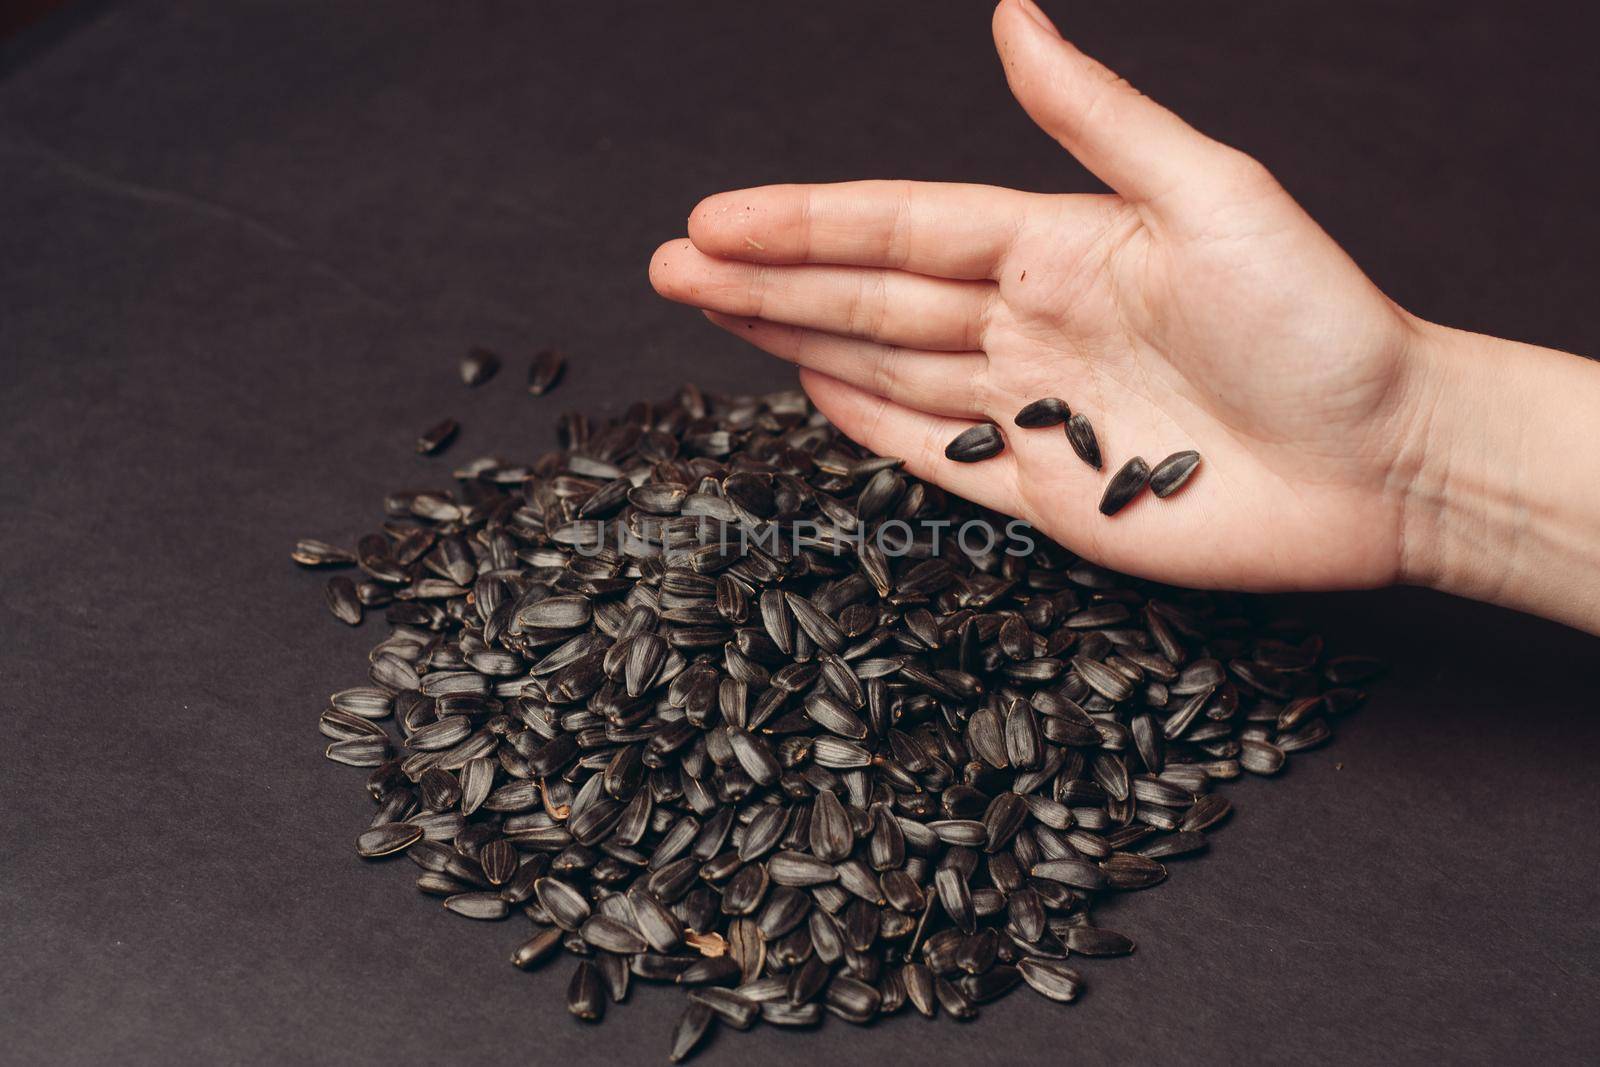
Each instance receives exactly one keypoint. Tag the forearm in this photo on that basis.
(1503, 497)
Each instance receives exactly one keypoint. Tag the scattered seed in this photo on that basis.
(478, 905)
(309, 553)
(585, 998)
(342, 600)
(479, 366)
(437, 437)
(545, 371)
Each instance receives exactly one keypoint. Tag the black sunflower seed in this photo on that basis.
(831, 834)
(568, 908)
(1051, 978)
(852, 999)
(1077, 873)
(343, 601)
(918, 980)
(816, 625)
(545, 371)
(585, 996)
(731, 1007)
(785, 1014)
(1168, 476)
(799, 869)
(312, 553)
(1050, 411)
(692, 1027)
(833, 716)
(498, 859)
(612, 935)
(989, 985)
(437, 436)
(1093, 941)
(538, 948)
(955, 1003)
(478, 905)
(1080, 434)
(478, 366)
(388, 838)
(1127, 483)
(976, 443)
(1260, 757)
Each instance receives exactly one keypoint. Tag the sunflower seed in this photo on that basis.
(799, 869)
(437, 437)
(1093, 941)
(1260, 757)
(544, 372)
(585, 998)
(478, 366)
(1051, 978)
(478, 905)
(312, 553)
(979, 442)
(387, 839)
(732, 1007)
(692, 1028)
(1050, 411)
(343, 601)
(611, 935)
(1169, 475)
(538, 948)
(1080, 434)
(1127, 483)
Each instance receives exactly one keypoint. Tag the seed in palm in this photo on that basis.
(1170, 474)
(1124, 485)
(1051, 411)
(980, 442)
(1080, 434)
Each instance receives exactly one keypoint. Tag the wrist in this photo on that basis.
(1500, 479)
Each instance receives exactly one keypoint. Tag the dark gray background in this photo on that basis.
(243, 246)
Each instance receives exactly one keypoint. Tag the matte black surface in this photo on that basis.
(242, 246)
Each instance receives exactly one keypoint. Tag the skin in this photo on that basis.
(1346, 443)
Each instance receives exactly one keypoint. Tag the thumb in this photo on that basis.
(1136, 146)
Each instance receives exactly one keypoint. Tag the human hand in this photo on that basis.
(1195, 307)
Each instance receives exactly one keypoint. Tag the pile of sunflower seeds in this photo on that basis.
(666, 693)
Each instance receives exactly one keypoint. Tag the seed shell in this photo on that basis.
(1168, 476)
(1080, 434)
(976, 443)
(1127, 483)
(1050, 411)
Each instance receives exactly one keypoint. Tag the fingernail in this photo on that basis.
(1033, 12)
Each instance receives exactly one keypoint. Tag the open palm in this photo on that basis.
(1197, 307)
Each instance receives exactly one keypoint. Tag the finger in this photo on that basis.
(946, 230)
(917, 438)
(880, 305)
(944, 383)
(1136, 146)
